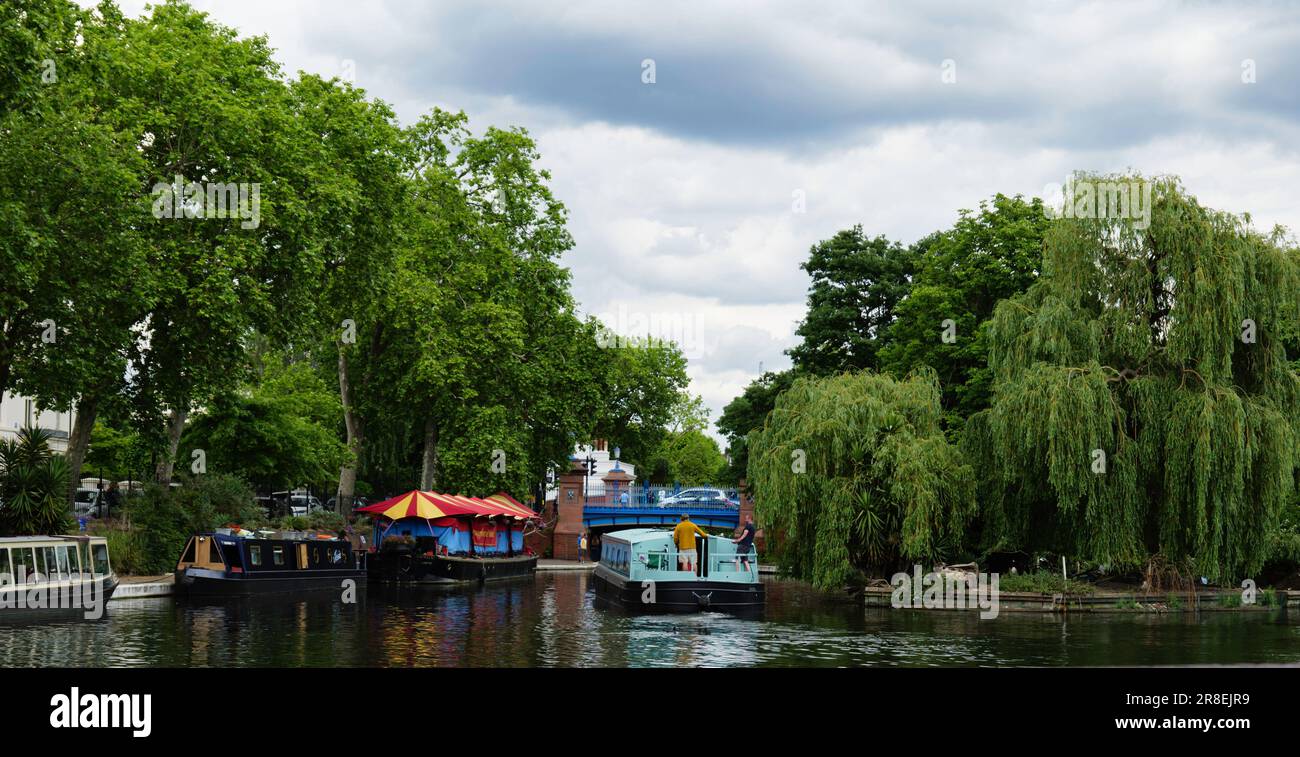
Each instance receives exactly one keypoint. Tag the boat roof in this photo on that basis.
(634, 535)
(8, 540)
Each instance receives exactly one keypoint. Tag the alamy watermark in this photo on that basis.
(24, 594)
(630, 329)
(1084, 198)
(209, 200)
(947, 590)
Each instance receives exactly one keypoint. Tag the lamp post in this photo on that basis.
(589, 465)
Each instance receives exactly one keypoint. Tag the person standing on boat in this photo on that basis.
(744, 543)
(684, 538)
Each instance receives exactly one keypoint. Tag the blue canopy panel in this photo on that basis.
(454, 535)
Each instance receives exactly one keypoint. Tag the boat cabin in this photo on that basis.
(235, 556)
(649, 554)
(52, 559)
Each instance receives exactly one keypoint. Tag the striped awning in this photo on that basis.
(430, 505)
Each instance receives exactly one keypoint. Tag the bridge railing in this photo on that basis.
(649, 496)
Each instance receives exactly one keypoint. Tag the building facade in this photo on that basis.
(17, 412)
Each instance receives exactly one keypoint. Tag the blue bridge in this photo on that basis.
(642, 507)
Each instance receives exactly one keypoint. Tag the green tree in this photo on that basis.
(222, 272)
(854, 472)
(641, 389)
(961, 275)
(692, 457)
(70, 198)
(747, 413)
(280, 434)
(856, 284)
(358, 200)
(1143, 406)
(36, 38)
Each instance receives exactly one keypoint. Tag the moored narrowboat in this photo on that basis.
(214, 564)
(639, 571)
(431, 538)
(48, 576)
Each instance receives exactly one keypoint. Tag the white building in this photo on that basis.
(18, 412)
(604, 463)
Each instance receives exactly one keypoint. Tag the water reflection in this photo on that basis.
(549, 621)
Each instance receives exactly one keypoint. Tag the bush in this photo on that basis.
(1230, 599)
(325, 520)
(163, 520)
(125, 553)
(1042, 582)
(33, 486)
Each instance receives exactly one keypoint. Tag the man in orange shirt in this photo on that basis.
(684, 538)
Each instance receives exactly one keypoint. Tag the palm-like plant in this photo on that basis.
(33, 486)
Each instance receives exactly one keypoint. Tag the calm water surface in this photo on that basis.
(549, 621)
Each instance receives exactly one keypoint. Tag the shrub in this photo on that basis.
(1230, 599)
(33, 486)
(163, 520)
(1042, 582)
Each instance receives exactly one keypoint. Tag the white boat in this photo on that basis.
(45, 576)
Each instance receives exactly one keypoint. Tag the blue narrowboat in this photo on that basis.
(214, 564)
(639, 571)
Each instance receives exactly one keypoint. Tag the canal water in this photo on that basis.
(549, 621)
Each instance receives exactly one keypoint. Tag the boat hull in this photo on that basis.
(11, 612)
(617, 591)
(198, 582)
(406, 568)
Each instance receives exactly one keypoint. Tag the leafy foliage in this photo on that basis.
(856, 284)
(961, 274)
(1134, 346)
(33, 484)
(855, 471)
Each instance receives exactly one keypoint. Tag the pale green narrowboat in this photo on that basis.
(640, 569)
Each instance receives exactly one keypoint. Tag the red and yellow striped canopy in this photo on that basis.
(430, 505)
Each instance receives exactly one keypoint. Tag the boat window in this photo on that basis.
(40, 570)
(188, 556)
(99, 557)
(63, 562)
(255, 555)
(214, 552)
(6, 575)
(23, 560)
(277, 555)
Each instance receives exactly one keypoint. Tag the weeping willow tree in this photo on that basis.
(1144, 408)
(855, 473)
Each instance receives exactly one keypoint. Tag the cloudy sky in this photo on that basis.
(701, 147)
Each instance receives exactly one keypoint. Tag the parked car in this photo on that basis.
(331, 504)
(88, 503)
(298, 503)
(699, 497)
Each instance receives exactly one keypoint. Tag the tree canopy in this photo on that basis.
(855, 473)
(1143, 403)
